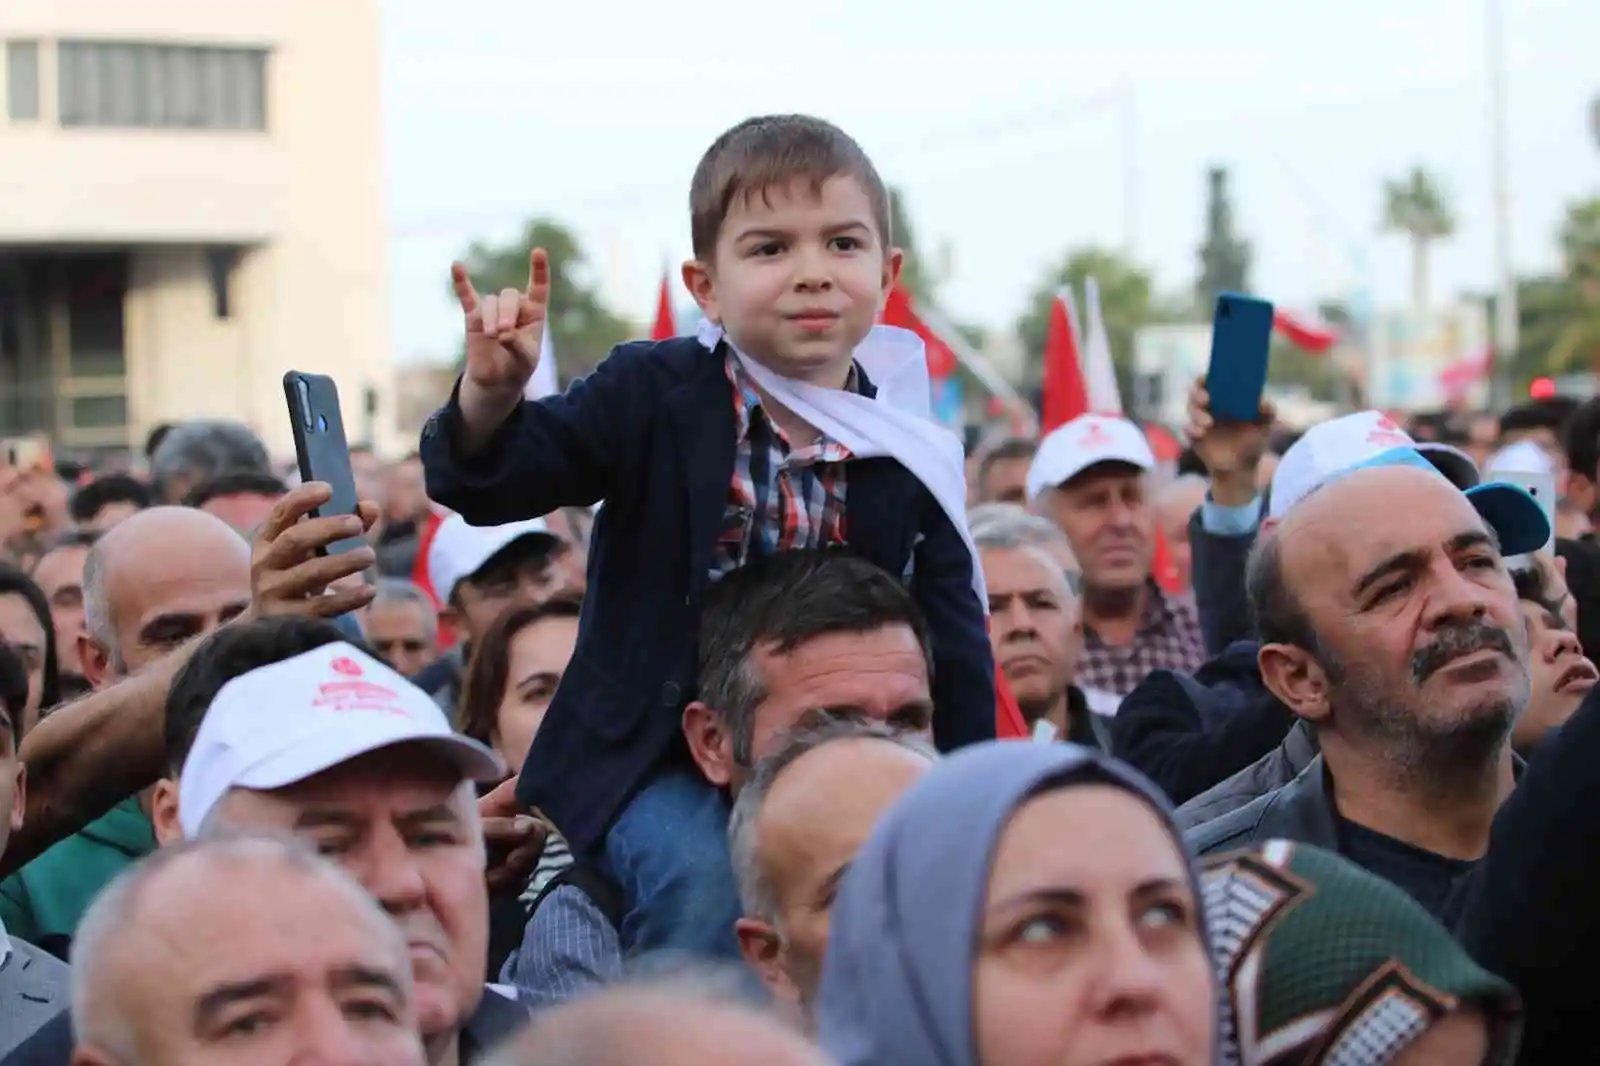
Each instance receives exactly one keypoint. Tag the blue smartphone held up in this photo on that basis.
(1241, 334)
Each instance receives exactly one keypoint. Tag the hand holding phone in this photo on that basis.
(320, 447)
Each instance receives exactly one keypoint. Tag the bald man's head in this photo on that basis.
(681, 1028)
(1387, 615)
(155, 580)
(207, 931)
(795, 830)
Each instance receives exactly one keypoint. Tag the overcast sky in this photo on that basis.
(1017, 128)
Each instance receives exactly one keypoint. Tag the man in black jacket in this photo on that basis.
(1396, 634)
(1192, 734)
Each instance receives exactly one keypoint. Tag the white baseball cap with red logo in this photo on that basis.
(1339, 445)
(1086, 441)
(283, 723)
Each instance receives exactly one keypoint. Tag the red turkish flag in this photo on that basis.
(1304, 333)
(897, 311)
(1066, 392)
(666, 326)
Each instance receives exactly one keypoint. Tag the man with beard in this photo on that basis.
(1389, 622)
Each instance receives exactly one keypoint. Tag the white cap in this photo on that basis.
(1073, 448)
(1331, 448)
(459, 550)
(288, 721)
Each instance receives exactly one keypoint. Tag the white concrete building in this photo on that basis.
(191, 203)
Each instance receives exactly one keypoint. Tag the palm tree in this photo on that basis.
(1568, 328)
(1416, 206)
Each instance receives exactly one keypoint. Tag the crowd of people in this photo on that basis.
(721, 710)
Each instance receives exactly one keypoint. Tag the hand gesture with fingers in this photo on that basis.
(504, 329)
(288, 573)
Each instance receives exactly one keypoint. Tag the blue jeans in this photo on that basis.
(668, 852)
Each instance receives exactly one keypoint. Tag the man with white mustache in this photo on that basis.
(279, 726)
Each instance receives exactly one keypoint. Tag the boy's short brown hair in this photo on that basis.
(770, 150)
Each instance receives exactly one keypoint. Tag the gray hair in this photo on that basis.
(398, 590)
(1006, 525)
(756, 894)
(200, 450)
(96, 1020)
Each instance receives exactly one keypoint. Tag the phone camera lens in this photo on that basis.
(322, 423)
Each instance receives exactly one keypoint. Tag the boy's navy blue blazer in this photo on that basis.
(651, 432)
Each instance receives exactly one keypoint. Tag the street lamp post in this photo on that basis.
(1594, 119)
(1505, 319)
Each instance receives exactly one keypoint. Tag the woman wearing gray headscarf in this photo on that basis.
(1022, 905)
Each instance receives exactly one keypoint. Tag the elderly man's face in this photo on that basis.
(1107, 517)
(273, 968)
(407, 829)
(1423, 639)
(1034, 625)
(812, 824)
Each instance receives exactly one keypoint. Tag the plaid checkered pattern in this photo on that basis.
(1168, 639)
(781, 497)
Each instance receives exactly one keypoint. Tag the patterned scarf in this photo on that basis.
(1325, 964)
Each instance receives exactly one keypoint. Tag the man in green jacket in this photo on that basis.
(42, 902)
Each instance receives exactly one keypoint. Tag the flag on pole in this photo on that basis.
(1065, 394)
(1074, 386)
(1100, 374)
(666, 324)
(545, 381)
(1305, 333)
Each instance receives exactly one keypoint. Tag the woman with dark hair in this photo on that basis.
(509, 682)
(26, 625)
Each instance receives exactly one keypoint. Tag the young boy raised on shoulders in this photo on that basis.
(701, 470)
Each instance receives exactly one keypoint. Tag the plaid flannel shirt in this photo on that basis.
(1168, 638)
(781, 497)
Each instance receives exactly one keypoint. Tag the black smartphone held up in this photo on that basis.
(320, 446)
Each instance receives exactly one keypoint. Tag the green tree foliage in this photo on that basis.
(1416, 206)
(583, 328)
(1558, 315)
(1224, 255)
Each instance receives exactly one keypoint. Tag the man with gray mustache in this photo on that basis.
(1390, 624)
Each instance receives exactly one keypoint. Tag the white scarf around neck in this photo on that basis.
(897, 423)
